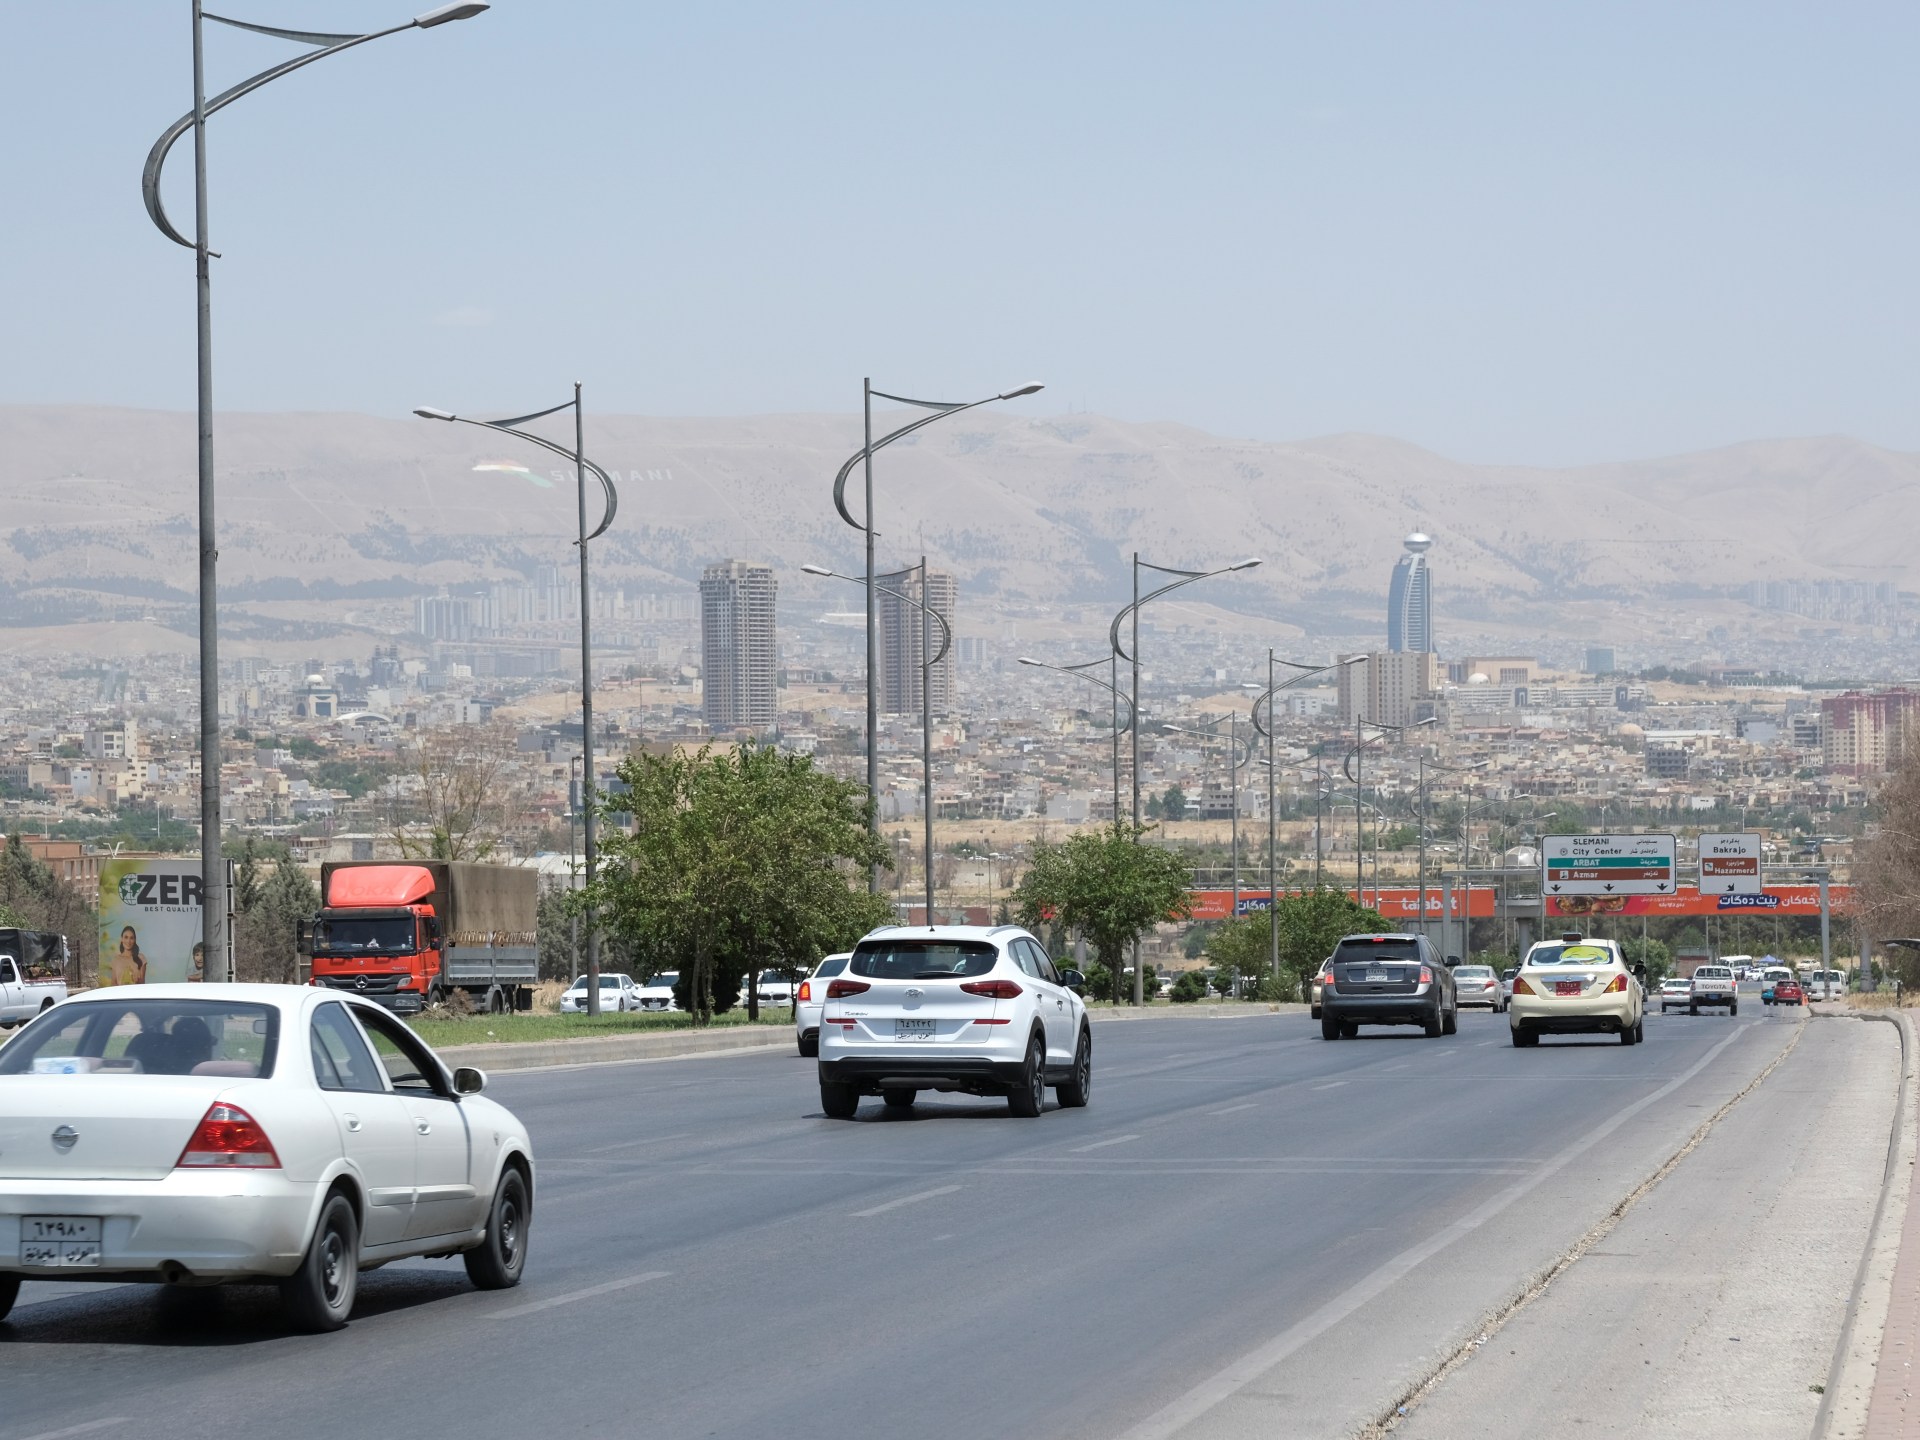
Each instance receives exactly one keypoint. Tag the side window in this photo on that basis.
(8, 976)
(410, 1066)
(1048, 971)
(1021, 957)
(341, 1060)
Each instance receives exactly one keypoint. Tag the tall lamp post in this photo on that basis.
(213, 870)
(928, 659)
(1353, 765)
(1132, 657)
(864, 455)
(581, 465)
(1113, 689)
(1444, 770)
(1237, 760)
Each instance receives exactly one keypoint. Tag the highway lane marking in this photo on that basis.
(1102, 1144)
(1331, 1085)
(85, 1428)
(1234, 1109)
(650, 1140)
(903, 1200)
(572, 1295)
(1175, 1416)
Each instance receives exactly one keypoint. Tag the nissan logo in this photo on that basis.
(65, 1136)
(915, 994)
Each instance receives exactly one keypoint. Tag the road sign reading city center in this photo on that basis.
(1607, 864)
(1730, 865)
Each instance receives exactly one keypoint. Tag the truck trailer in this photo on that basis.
(407, 933)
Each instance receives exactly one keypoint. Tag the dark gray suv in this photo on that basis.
(1388, 980)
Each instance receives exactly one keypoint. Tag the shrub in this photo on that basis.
(1190, 987)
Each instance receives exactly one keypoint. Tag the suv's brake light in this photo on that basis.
(1426, 975)
(228, 1135)
(993, 989)
(840, 989)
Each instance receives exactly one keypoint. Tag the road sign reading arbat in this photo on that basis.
(1607, 864)
(1730, 865)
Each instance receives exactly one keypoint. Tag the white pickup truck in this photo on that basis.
(32, 974)
(1714, 985)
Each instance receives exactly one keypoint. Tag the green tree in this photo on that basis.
(1189, 987)
(38, 899)
(1310, 925)
(1173, 804)
(1107, 884)
(737, 859)
(264, 930)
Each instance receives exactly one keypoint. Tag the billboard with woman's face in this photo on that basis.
(149, 921)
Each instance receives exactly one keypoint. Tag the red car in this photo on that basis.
(1788, 992)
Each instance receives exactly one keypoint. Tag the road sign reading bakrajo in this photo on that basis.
(1730, 865)
(1607, 864)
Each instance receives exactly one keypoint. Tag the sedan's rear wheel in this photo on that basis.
(1078, 1090)
(1523, 1037)
(1031, 1098)
(899, 1098)
(9, 1292)
(1629, 1035)
(319, 1295)
(810, 1044)
(839, 1101)
(496, 1262)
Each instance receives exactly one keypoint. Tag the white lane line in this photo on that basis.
(650, 1140)
(1331, 1085)
(904, 1200)
(1234, 1109)
(1102, 1144)
(1175, 1416)
(1485, 1043)
(572, 1295)
(85, 1428)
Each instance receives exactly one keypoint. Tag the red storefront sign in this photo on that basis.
(1776, 900)
(1395, 902)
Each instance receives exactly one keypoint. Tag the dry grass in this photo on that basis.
(546, 996)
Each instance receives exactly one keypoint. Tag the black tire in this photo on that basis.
(839, 1101)
(1734, 1009)
(496, 1262)
(9, 1292)
(319, 1295)
(1349, 1029)
(810, 1045)
(1693, 1009)
(1628, 1036)
(1329, 1027)
(899, 1097)
(1451, 1025)
(1313, 1012)
(1436, 1026)
(1078, 1090)
(1031, 1098)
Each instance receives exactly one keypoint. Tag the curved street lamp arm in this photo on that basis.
(1307, 672)
(606, 481)
(946, 630)
(1080, 670)
(157, 157)
(840, 480)
(1113, 631)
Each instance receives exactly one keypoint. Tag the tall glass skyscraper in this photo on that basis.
(1410, 599)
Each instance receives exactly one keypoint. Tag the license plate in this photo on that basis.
(59, 1241)
(1376, 977)
(1567, 987)
(913, 1029)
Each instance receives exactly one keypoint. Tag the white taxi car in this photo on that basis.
(1576, 985)
(968, 1008)
(193, 1134)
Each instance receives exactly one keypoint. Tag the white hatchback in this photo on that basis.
(194, 1134)
(975, 1009)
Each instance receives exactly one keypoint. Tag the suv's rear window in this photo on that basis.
(1352, 950)
(922, 959)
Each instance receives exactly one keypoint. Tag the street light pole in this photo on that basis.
(864, 457)
(581, 466)
(213, 871)
(1112, 687)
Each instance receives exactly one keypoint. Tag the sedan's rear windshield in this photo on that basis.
(147, 1037)
(833, 966)
(1474, 972)
(1352, 950)
(922, 959)
(1569, 955)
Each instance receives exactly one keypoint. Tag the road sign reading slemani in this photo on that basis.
(1607, 864)
(1730, 865)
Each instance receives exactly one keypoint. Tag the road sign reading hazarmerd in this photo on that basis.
(1730, 865)
(1607, 864)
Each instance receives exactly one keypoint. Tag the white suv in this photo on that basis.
(976, 1009)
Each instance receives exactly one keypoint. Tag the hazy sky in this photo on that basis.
(1531, 231)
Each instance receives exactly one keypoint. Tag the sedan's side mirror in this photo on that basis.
(1453, 962)
(469, 1080)
(1074, 981)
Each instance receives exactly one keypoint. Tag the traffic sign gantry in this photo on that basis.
(1730, 865)
(1607, 864)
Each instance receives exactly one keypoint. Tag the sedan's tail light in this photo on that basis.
(994, 989)
(806, 990)
(228, 1135)
(841, 989)
(1619, 984)
(1520, 987)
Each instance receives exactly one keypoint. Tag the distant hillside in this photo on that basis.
(1026, 510)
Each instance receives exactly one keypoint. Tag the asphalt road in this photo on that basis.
(1249, 1231)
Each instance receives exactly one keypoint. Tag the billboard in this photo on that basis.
(1775, 900)
(149, 920)
(1394, 902)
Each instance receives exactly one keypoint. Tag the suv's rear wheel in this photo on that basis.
(1451, 1026)
(1031, 1098)
(1436, 1025)
(1329, 1027)
(839, 1101)
(1079, 1089)
(899, 1098)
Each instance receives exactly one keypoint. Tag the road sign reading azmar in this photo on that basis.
(1607, 864)
(1730, 865)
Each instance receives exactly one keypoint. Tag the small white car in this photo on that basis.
(975, 1009)
(197, 1134)
(775, 988)
(617, 993)
(1575, 985)
(1676, 992)
(812, 1000)
(657, 993)
(1479, 985)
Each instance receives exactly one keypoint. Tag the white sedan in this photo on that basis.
(617, 993)
(188, 1134)
(657, 993)
(812, 1000)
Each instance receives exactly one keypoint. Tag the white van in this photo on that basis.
(1826, 984)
